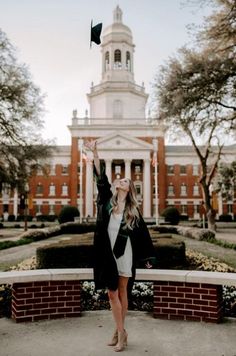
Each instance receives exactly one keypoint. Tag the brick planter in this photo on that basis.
(40, 300)
(188, 301)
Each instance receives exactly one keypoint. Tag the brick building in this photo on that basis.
(131, 145)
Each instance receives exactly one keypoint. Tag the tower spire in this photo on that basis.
(117, 15)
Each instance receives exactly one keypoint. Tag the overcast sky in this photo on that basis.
(52, 38)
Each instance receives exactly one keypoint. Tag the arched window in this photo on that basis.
(107, 57)
(117, 59)
(107, 60)
(128, 63)
(117, 109)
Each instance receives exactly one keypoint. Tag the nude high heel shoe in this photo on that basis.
(122, 341)
(114, 339)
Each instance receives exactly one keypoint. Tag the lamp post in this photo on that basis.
(156, 183)
(80, 180)
(26, 206)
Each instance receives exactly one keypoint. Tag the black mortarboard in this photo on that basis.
(95, 33)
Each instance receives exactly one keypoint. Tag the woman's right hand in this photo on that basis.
(91, 145)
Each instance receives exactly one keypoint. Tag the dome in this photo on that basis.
(117, 29)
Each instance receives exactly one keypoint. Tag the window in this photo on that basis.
(182, 169)
(64, 189)
(52, 189)
(171, 190)
(128, 66)
(183, 189)
(196, 209)
(137, 169)
(38, 210)
(107, 61)
(64, 170)
(196, 189)
(117, 169)
(39, 189)
(170, 169)
(195, 170)
(138, 188)
(51, 209)
(117, 56)
(107, 57)
(184, 209)
(52, 170)
(229, 208)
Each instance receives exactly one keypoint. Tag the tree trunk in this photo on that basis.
(211, 214)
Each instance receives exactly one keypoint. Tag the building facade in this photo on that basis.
(130, 144)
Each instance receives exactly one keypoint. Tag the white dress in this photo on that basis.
(124, 263)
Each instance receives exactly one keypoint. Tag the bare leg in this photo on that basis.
(123, 296)
(116, 308)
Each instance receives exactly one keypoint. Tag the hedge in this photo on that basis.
(78, 253)
(194, 233)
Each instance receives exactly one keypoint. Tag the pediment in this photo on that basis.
(121, 141)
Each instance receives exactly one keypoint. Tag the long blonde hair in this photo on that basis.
(131, 212)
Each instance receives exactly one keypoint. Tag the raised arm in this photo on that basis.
(92, 146)
(103, 185)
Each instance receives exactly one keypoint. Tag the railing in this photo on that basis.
(178, 294)
(114, 121)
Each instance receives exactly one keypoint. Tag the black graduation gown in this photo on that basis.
(105, 267)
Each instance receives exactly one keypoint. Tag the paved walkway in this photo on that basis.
(87, 336)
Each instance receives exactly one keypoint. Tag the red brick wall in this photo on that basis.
(188, 301)
(33, 301)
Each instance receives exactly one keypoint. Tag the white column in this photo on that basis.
(147, 189)
(15, 203)
(89, 188)
(128, 168)
(108, 169)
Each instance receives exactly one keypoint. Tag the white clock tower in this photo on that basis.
(117, 96)
(127, 141)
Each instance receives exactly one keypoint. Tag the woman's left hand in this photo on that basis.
(148, 265)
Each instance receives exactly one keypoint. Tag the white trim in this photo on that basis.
(218, 278)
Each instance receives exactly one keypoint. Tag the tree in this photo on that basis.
(21, 107)
(196, 92)
(225, 180)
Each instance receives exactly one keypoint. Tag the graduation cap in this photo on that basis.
(95, 33)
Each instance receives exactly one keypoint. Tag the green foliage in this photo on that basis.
(21, 143)
(171, 215)
(76, 253)
(68, 213)
(225, 218)
(5, 300)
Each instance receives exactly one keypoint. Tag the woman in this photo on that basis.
(121, 239)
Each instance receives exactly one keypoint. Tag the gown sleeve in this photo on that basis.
(103, 185)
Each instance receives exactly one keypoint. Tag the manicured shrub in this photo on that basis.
(171, 215)
(225, 218)
(170, 252)
(5, 300)
(11, 218)
(184, 217)
(77, 228)
(75, 253)
(68, 213)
